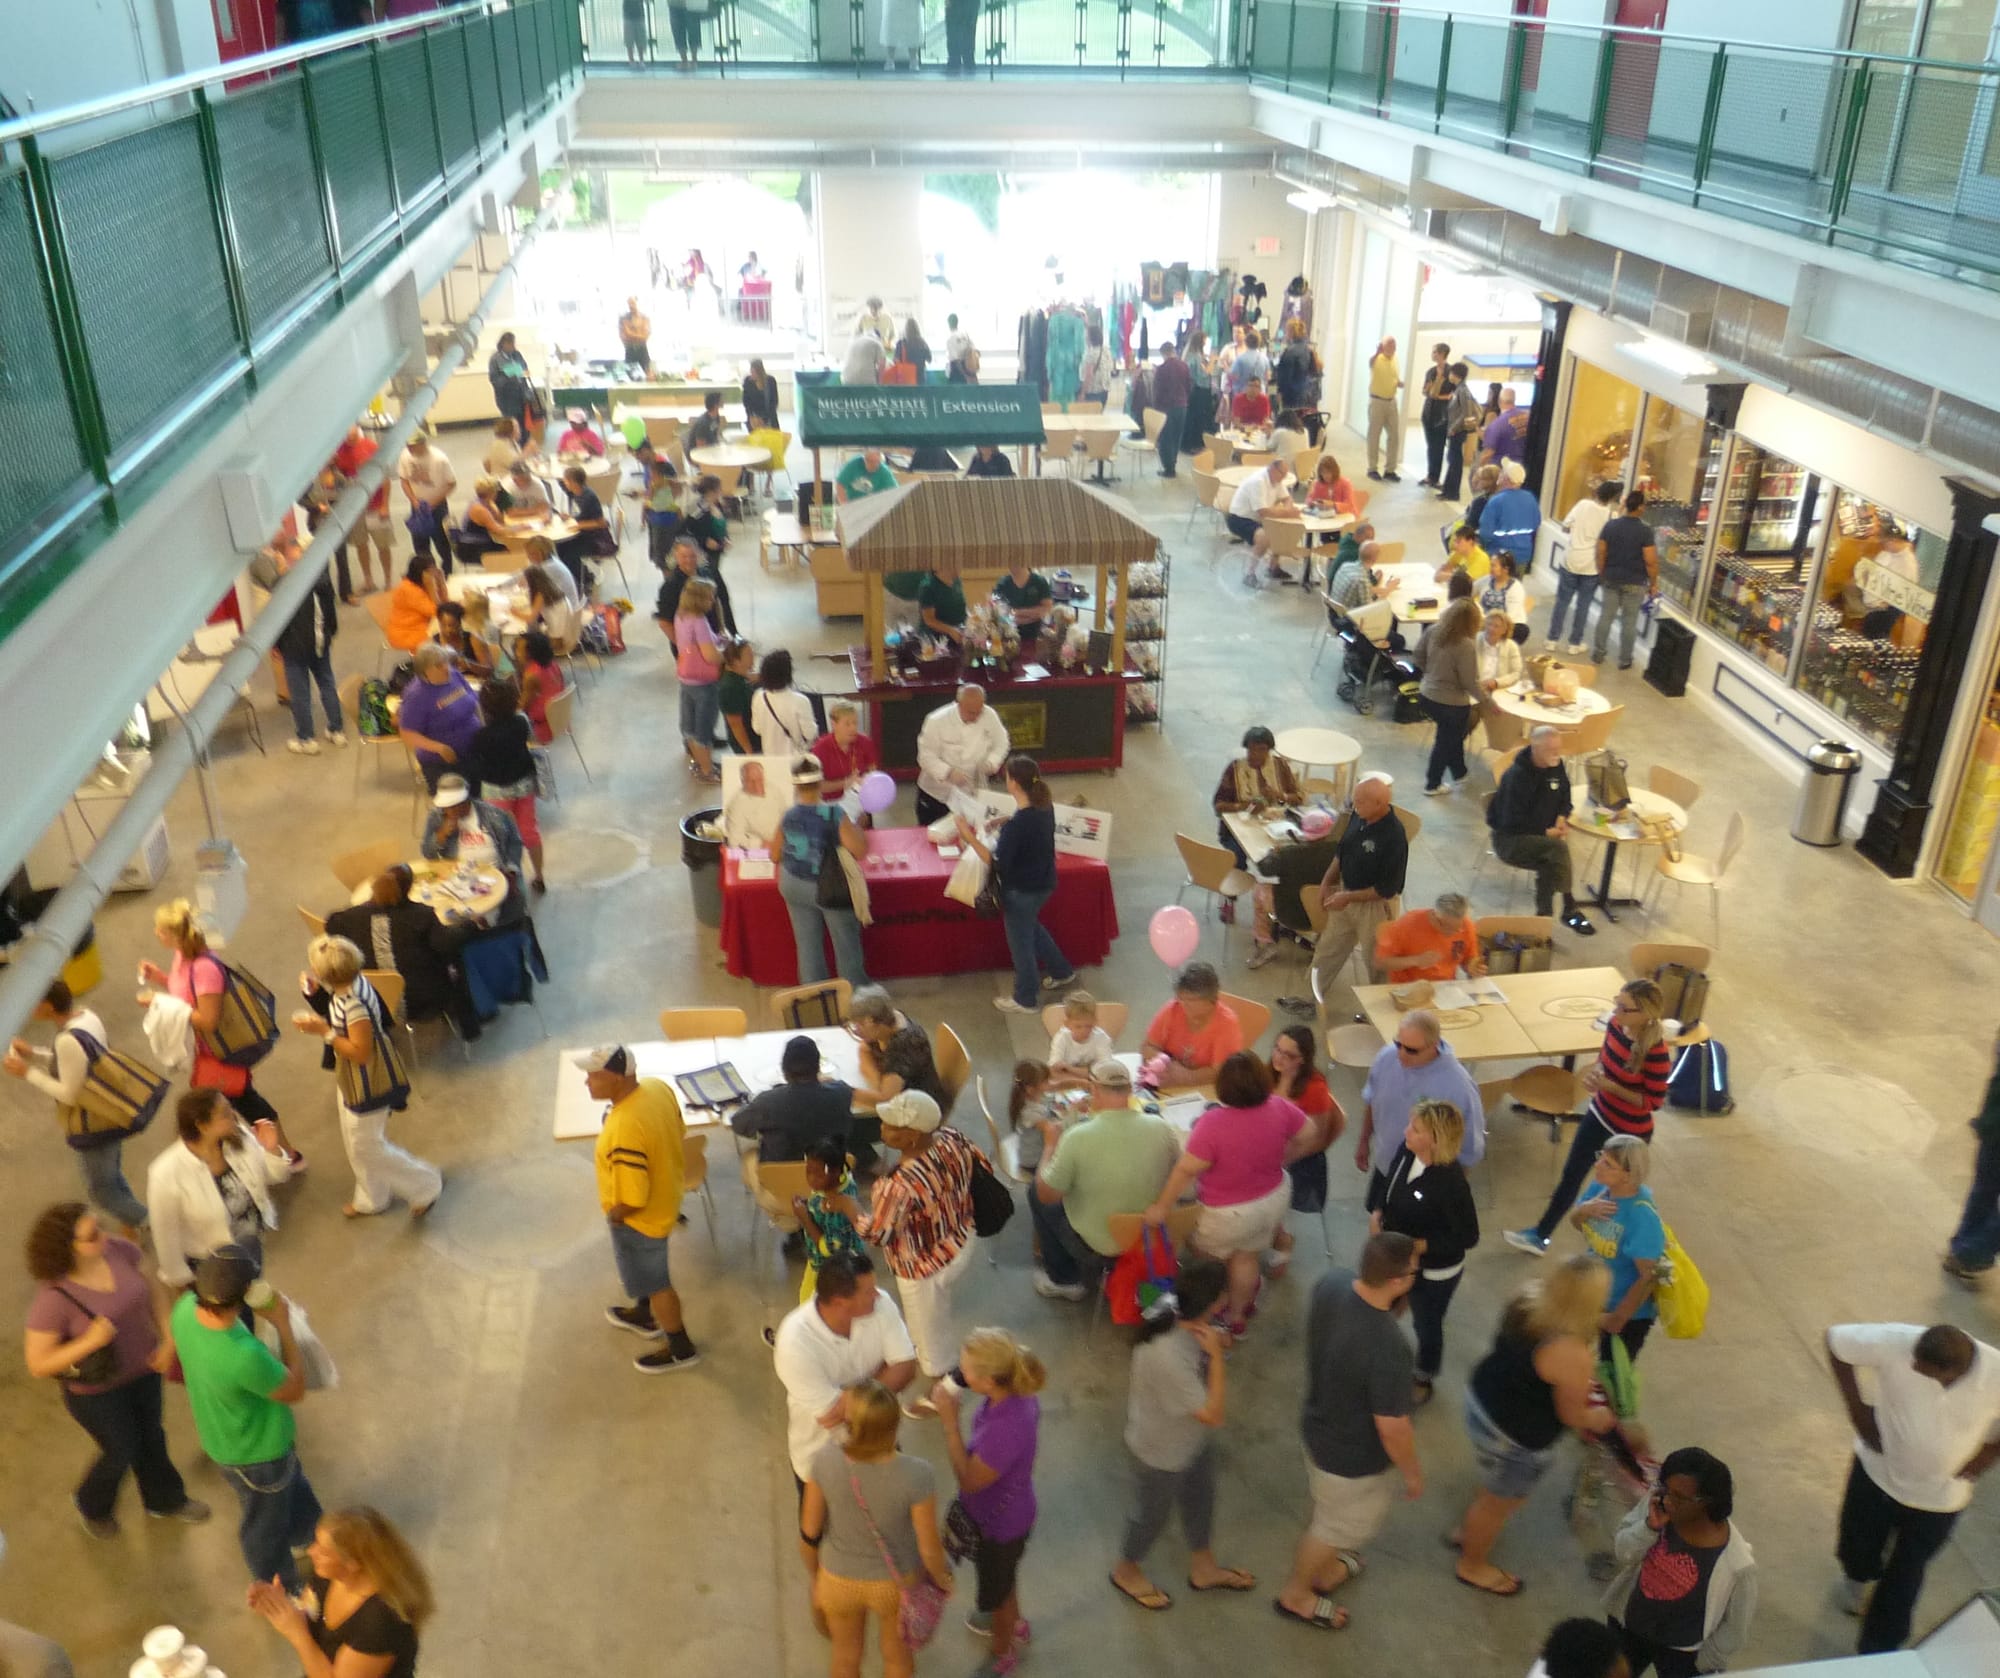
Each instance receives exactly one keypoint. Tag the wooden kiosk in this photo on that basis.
(1067, 719)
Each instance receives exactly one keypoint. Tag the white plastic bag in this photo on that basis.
(968, 878)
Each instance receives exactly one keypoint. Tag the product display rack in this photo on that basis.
(1145, 612)
(1756, 604)
(1766, 504)
(1864, 679)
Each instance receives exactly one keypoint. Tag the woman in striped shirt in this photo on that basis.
(1627, 1085)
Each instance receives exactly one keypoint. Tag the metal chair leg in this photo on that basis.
(571, 737)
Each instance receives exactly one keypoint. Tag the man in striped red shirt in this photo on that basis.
(1627, 1085)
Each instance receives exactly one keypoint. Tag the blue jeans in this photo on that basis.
(320, 670)
(1067, 1259)
(1581, 589)
(104, 1181)
(1977, 1240)
(1031, 944)
(279, 1515)
(1624, 600)
(811, 923)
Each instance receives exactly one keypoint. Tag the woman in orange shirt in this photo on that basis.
(413, 603)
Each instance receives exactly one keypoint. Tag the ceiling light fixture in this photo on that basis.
(1670, 357)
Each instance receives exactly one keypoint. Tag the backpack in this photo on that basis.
(1681, 1292)
(1700, 1079)
(379, 1081)
(1685, 990)
(372, 704)
(119, 1097)
(247, 1028)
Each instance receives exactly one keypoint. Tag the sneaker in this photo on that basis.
(192, 1512)
(1579, 923)
(1439, 791)
(1972, 1275)
(1624, 664)
(1049, 1288)
(1577, 649)
(635, 1319)
(105, 1528)
(337, 738)
(303, 748)
(1551, 647)
(297, 1161)
(1051, 982)
(1377, 476)
(1007, 1005)
(1854, 1596)
(667, 1359)
(1527, 1241)
(1262, 954)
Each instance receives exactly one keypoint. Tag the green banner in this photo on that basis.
(897, 415)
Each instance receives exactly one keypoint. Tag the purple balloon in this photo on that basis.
(1175, 934)
(878, 792)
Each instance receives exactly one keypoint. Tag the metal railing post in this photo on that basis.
(86, 404)
(1333, 51)
(1387, 19)
(225, 224)
(1246, 43)
(437, 113)
(324, 178)
(1600, 98)
(1443, 75)
(1510, 89)
(854, 41)
(1082, 31)
(1711, 116)
(1850, 149)
(1291, 39)
(382, 127)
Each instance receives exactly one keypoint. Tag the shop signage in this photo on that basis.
(1893, 588)
(1085, 833)
(854, 415)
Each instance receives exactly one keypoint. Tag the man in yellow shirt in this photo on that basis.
(639, 1186)
(1385, 413)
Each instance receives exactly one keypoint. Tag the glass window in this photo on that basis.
(1767, 533)
(1680, 456)
(1603, 410)
(1870, 618)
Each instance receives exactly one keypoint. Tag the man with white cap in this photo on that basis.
(639, 1179)
(1511, 518)
(961, 746)
(1364, 887)
(1117, 1160)
(464, 829)
(1294, 866)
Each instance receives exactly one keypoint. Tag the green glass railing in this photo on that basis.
(1897, 157)
(149, 278)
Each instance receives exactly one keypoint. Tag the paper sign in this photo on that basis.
(756, 793)
(1884, 587)
(1085, 833)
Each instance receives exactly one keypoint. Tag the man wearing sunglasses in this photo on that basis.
(1417, 1065)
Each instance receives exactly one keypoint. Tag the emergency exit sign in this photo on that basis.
(1266, 246)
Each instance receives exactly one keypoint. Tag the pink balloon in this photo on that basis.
(878, 792)
(1175, 934)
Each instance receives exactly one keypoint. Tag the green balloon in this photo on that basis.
(635, 431)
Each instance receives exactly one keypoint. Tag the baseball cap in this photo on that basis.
(576, 416)
(451, 791)
(224, 1277)
(911, 1110)
(614, 1058)
(1316, 823)
(1111, 1074)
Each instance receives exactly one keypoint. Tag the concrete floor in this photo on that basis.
(578, 1517)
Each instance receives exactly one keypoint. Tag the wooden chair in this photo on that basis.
(1592, 734)
(954, 1065)
(1409, 821)
(1251, 1016)
(1553, 1093)
(558, 712)
(1052, 407)
(1305, 463)
(1511, 878)
(1496, 761)
(680, 1025)
(694, 1175)
(314, 924)
(1354, 1046)
(353, 869)
(1213, 871)
(377, 607)
(1006, 1149)
(1254, 457)
(1671, 783)
(1691, 870)
(1112, 1016)
(1647, 959)
(1390, 553)
(1100, 448)
(785, 1181)
(1152, 422)
(1096, 407)
(1206, 487)
(805, 1006)
(1285, 538)
(502, 562)
(387, 983)
(1586, 674)
(1520, 926)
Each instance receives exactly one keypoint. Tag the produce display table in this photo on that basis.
(917, 930)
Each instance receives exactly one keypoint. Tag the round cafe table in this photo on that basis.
(482, 890)
(1234, 477)
(1526, 703)
(550, 527)
(1311, 747)
(741, 456)
(1592, 821)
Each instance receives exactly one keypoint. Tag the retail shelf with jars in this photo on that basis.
(1863, 679)
(1680, 553)
(1756, 605)
(1145, 609)
(1766, 504)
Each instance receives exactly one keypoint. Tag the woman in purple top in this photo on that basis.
(995, 1467)
(440, 713)
(1235, 1162)
(95, 1301)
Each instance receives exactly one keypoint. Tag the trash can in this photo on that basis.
(1831, 766)
(703, 857)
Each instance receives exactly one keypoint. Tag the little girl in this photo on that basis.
(1028, 1110)
(1081, 1043)
(827, 1229)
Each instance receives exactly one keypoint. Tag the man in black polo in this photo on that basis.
(1529, 817)
(787, 1121)
(1362, 889)
(408, 938)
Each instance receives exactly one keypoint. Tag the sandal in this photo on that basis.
(1233, 1579)
(1512, 1587)
(1154, 1601)
(1327, 1615)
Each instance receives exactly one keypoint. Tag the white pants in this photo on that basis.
(382, 1171)
(927, 1314)
(1385, 427)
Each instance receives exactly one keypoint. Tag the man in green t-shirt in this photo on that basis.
(241, 1395)
(1028, 595)
(866, 474)
(1115, 1161)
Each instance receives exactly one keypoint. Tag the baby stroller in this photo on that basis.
(1370, 653)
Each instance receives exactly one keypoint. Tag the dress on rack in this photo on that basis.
(1033, 345)
(1065, 355)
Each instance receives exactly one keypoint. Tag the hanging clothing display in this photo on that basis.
(1298, 305)
(1032, 344)
(1066, 335)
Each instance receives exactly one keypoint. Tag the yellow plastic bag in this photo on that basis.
(1681, 1293)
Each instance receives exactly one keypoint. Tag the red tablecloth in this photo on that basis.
(917, 928)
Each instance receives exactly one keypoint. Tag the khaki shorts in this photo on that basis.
(835, 1595)
(1247, 1227)
(1346, 1513)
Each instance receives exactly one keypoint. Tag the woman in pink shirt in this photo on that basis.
(1330, 489)
(698, 660)
(1235, 1162)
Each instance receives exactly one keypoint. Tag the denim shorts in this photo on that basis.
(642, 1262)
(701, 708)
(1505, 1468)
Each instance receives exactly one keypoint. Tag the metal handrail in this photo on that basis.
(236, 69)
